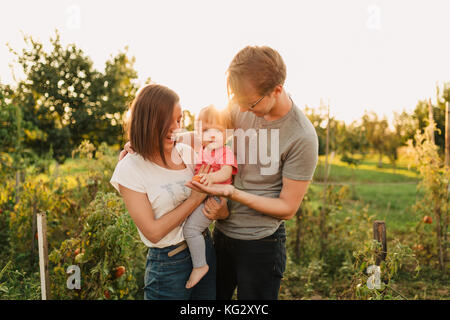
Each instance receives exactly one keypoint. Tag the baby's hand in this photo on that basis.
(204, 178)
(207, 179)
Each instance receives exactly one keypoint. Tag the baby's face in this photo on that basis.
(213, 136)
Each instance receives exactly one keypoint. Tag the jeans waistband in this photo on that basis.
(153, 251)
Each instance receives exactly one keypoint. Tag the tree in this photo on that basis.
(376, 132)
(67, 99)
(391, 144)
(14, 132)
(352, 144)
(405, 126)
(319, 121)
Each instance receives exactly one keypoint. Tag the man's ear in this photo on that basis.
(277, 90)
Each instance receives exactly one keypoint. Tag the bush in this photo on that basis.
(107, 246)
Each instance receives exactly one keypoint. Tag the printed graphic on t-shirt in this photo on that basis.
(186, 190)
(177, 191)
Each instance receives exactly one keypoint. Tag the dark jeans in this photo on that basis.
(254, 266)
(166, 277)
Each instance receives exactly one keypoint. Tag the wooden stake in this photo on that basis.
(43, 255)
(379, 234)
(33, 231)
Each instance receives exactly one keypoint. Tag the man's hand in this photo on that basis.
(214, 210)
(221, 190)
(126, 149)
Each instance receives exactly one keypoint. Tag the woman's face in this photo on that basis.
(175, 124)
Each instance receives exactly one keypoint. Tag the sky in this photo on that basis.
(380, 55)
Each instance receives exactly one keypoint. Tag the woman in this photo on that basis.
(152, 184)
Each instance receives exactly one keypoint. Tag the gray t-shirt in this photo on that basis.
(293, 154)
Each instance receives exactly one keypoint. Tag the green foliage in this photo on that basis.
(318, 117)
(65, 97)
(108, 240)
(188, 120)
(400, 259)
(100, 229)
(14, 131)
(434, 184)
(16, 284)
(351, 142)
(376, 132)
(421, 117)
(338, 270)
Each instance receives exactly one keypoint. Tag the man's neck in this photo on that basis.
(280, 109)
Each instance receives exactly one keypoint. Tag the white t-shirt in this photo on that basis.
(165, 188)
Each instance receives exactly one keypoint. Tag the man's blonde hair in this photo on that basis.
(262, 66)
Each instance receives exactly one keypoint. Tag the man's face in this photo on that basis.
(251, 101)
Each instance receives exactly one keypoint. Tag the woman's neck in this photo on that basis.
(175, 163)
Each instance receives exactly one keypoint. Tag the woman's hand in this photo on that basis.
(214, 210)
(197, 196)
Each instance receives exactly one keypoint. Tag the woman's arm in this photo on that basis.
(141, 212)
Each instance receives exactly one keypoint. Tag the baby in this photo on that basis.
(221, 159)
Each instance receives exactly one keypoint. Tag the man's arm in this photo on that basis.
(284, 207)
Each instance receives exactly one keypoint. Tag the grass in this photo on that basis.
(389, 193)
(391, 203)
(366, 172)
(70, 170)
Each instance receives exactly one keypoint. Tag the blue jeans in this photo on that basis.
(255, 267)
(166, 277)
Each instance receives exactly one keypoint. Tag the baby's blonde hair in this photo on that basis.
(211, 114)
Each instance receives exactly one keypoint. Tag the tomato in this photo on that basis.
(119, 271)
(427, 219)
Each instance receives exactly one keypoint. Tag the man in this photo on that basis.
(250, 236)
